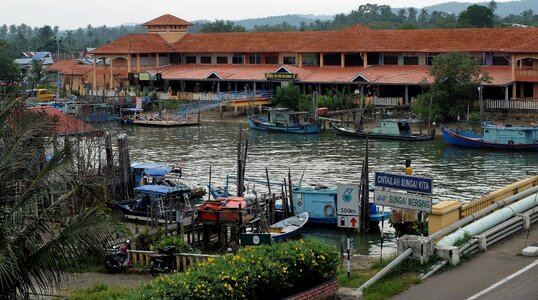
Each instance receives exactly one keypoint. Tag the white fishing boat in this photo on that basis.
(288, 228)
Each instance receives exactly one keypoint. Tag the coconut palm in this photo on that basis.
(39, 236)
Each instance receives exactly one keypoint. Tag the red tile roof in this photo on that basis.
(135, 43)
(356, 38)
(71, 67)
(65, 124)
(412, 75)
(167, 20)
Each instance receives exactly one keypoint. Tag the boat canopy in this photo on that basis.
(159, 189)
(412, 120)
(151, 169)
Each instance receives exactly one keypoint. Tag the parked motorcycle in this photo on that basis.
(118, 258)
(164, 261)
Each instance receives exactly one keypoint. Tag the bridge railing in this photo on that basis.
(512, 189)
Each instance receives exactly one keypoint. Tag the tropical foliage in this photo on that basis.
(253, 273)
(43, 231)
(456, 78)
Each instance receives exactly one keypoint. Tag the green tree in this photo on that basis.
(456, 78)
(289, 96)
(477, 16)
(37, 73)
(37, 245)
(221, 26)
(9, 71)
(492, 5)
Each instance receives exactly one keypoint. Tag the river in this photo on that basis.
(462, 174)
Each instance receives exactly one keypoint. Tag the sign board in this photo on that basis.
(255, 239)
(144, 76)
(280, 75)
(404, 182)
(348, 221)
(347, 199)
(403, 200)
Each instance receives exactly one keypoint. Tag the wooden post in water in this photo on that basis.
(239, 165)
(209, 192)
(285, 213)
(290, 188)
(110, 172)
(365, 203)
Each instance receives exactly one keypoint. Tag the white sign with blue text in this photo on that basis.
(414, 184)
(403, 200)
(347, 199)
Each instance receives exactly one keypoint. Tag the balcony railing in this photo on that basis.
(223, 96)
(386, 101)
(522, 74)
(513, 104)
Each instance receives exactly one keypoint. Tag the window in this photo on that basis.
(500, 61)
(411, 60)
(237, 59)
(528, 62)
(205, 59)
(222, 60)
(143, 55)
(254, 58)
(190, 59)
(271, 60)
(390, 60)
(289, 60)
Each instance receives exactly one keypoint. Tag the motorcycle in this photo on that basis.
(164, 261)
(118, 258)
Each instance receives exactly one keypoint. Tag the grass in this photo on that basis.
(98, 292)
(398, 280)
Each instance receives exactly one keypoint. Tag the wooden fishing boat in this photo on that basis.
(284, 120)
(165, 120)
(160, 202)
(503, 137)
(288, 228)
(389, 129)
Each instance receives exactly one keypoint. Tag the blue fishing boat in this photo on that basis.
(504, 137)
(160, 202)
(320, 203)
(284, 120)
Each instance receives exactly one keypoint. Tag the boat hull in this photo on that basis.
(371, 135)
(294, 224)
(254, 123)
(469, 139)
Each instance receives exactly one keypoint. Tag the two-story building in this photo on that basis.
(385, 63)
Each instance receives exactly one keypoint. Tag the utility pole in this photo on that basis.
(58, 41)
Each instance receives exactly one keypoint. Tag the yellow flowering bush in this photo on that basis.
(262, 272)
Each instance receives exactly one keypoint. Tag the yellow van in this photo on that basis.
(45, 95)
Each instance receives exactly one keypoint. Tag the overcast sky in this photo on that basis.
(69, 14)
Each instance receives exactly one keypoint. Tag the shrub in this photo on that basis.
(177, 241)
(261, 272)
(147, 238)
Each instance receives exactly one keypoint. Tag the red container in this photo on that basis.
(322, 111)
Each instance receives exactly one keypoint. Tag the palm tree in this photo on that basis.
(38, 238)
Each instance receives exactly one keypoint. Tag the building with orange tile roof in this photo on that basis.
(395, 62)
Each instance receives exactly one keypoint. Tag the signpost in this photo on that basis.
(403, 200)
(255, 239)
(347, 200)
(421, 185)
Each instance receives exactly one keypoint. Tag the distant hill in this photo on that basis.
(503, 8)
(294, 20)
